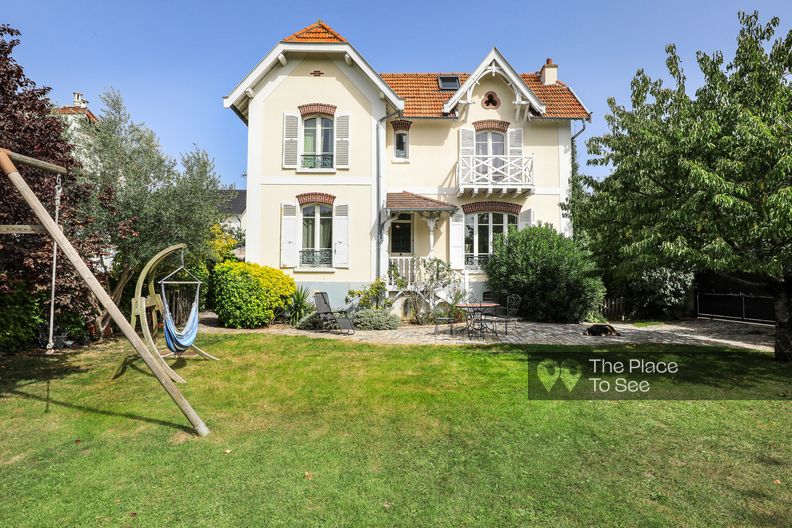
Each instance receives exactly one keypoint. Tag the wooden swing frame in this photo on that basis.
(141, 303)
(52, 229)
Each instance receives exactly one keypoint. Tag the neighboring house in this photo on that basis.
(351, 171)
(235, 208)
(76, 117)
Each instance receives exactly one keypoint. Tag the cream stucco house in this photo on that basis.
(351, 171)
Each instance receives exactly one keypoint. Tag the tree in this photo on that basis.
(28, 126)
(706, 181)
(141, 201)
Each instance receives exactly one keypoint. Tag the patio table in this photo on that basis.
(475, 317)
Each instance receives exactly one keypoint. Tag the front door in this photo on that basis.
(401, 236)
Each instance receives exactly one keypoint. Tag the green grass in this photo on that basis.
(330, 433)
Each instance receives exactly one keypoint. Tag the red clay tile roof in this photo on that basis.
(558, 98)
(407, 201)
(424, 98)
(316, 32)
(77, 110)
(421, 92)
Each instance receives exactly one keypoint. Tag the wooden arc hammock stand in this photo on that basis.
(153, 300)
(49, 226)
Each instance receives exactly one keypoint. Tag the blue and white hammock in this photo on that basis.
(179, 341)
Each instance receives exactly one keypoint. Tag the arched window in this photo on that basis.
(317, 236)
(480, 231)
(317, 142)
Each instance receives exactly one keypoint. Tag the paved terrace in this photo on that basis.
(689, 332)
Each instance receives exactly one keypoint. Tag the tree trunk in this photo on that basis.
(782, 296)
(118, 292)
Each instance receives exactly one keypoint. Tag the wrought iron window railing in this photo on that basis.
(475, 262)
(316, 258)
(316, 161)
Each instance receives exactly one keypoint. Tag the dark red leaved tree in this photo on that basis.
(28, 126)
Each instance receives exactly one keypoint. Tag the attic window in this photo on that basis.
(450, 82)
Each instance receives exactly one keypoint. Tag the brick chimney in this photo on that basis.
(549, 72)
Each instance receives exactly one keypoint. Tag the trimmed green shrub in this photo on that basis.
(309, 322)
(248, 295)
(375, 320)
(661, 291)
(555, 277)
(21, 314)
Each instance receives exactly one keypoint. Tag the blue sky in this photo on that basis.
(174, 61)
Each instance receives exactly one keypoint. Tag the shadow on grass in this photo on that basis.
(131, 361)
(26, 369)
(102, 412)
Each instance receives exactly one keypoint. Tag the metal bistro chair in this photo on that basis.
(478, 321)
(328, 317)
(510, 313)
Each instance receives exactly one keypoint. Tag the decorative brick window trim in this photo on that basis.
(401, 125)
(317, 108)
(491, 124)
(492, 207)
(490, 101)
(315, 197)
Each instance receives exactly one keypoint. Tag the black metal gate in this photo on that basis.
(736, 306)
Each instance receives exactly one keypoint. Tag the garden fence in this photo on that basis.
(735, 306)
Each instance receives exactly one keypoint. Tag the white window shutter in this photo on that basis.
(457, 240)
(342, 141)
(291, 134)
(341, 236)
(467, 148)
(525, 219)
(515, 141)
(515, 149)
(288, 257)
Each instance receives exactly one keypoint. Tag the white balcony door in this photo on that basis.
(490, 148)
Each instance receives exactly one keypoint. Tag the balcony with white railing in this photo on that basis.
(495, 173)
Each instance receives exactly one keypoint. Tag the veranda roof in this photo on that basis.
(411, 202)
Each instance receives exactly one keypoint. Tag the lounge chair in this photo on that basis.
(332, 319)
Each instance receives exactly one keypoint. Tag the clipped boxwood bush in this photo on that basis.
(248, 295)
(375, 320)
(556, 278)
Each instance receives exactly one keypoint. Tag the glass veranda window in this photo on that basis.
(317, 236)
(480, 231)
(318, 139)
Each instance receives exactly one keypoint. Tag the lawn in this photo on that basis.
(332, 433)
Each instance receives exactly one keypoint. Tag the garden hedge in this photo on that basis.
(248, 295)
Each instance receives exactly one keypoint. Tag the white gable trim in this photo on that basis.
(281, 49)
(495, 58)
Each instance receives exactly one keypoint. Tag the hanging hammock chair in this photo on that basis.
(180, 340)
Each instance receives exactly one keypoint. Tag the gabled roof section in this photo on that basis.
(316, 32)
(424, 99)
(235, 201)
(407, 201)
(317, 38)
(496, 63)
